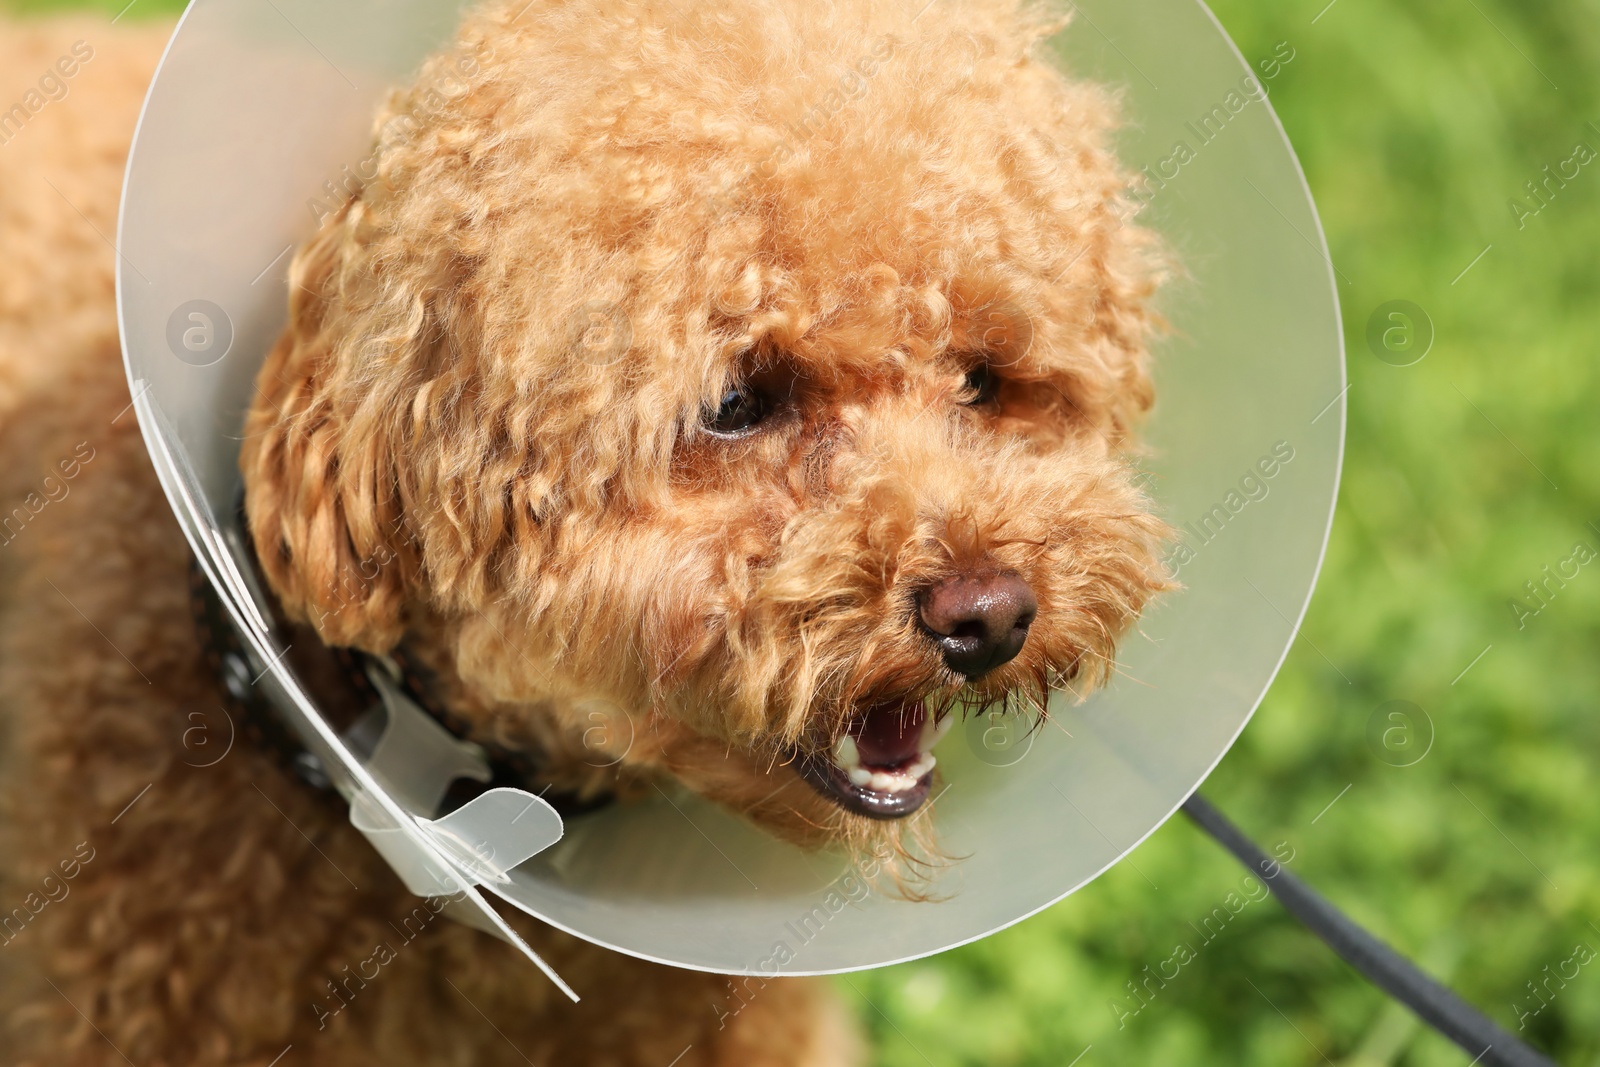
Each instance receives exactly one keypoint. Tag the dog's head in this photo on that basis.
(764, 369)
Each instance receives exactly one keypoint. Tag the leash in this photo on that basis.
(1434, 1003)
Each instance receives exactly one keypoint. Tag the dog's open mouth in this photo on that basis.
(882, 765)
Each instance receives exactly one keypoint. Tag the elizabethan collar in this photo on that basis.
(258, 113)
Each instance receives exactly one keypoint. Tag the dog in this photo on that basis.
(767, 370)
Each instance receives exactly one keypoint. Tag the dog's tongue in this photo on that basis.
(888, 735)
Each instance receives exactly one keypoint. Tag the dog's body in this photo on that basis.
(533, 510)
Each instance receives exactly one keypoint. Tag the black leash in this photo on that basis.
(1435, 1004)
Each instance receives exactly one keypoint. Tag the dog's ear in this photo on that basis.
(318, 459)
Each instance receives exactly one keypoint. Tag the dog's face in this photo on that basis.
(766, 371)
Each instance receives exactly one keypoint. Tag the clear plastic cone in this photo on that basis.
(259, 107)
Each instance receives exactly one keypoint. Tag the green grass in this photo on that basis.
(137, 9)
(1466, 474)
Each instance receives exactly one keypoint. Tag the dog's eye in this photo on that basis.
(740, 410)
(982, 386)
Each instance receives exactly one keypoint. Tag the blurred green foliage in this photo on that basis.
(1417, 122)
(115, 8)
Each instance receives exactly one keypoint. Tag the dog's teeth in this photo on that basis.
(891, 781)
(933, 730)
(886, 783)
(847, 758)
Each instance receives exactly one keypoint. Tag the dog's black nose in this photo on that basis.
(978, 621)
